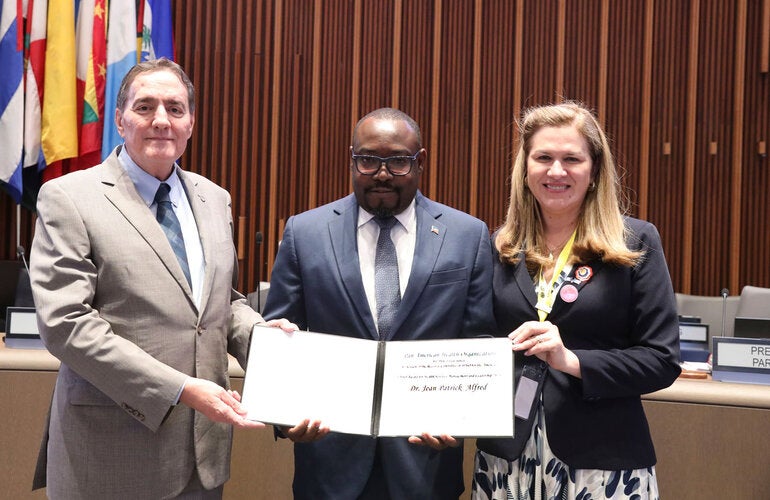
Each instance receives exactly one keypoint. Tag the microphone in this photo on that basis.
(724, 293)
(258, 240)
(20, 254)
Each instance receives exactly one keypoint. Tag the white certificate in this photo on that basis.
(460, 387)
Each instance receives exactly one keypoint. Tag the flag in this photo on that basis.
(157, 30)
(59, 119)
(91, 41)
(37, 15)
(121, 56)
(11, 97)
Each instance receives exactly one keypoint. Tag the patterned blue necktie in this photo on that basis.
(170, 225)
(386, 286)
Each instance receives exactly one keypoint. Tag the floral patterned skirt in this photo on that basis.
(539, 475)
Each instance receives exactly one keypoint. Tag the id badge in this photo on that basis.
(526, 391)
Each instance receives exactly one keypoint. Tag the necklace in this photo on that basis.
(555, 249)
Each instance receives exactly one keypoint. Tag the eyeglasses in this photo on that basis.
(395, 165)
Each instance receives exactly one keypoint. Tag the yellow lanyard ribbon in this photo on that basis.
(546, 299)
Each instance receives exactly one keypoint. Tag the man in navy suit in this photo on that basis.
(324, 281)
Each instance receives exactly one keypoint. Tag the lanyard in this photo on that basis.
(547, 294)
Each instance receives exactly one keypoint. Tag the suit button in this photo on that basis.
(200, 330)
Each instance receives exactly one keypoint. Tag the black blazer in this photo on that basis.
(623, 328)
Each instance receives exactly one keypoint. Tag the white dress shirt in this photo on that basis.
(404, 236)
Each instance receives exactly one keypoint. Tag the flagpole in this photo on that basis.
(18, 226)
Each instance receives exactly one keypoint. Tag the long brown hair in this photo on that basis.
(600, 229)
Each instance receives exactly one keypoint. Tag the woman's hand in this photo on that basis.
(542, 339)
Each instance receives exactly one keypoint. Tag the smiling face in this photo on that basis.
(382, 193)
(559, 171)
(156, 121)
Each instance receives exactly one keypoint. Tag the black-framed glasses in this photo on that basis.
(396, 165)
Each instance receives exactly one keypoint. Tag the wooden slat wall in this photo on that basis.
(681, 87)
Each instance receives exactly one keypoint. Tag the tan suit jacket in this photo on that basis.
(114, 306)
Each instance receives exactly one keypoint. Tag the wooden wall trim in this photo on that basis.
(473, 188)
(689, 170)
(764, 58)
(398, 27)
(435, 112)
(739, 78)
(315, 105)
(604, 37)
(275, 123)
(561, 21)
(355, 98)
(644, 142)
(517, 82)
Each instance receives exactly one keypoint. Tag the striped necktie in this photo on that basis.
(170, 225)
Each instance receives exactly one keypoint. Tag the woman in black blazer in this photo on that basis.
(585, 296)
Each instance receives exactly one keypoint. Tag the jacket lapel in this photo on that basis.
(123, 195)
(428, 241)
(343, 233)
(197, 202)
(525, 283)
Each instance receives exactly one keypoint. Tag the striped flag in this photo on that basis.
(157, 30)
(37, 15)
(91, 75)
(121, 56)
(11, 97)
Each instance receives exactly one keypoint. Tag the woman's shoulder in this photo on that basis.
(641, 233)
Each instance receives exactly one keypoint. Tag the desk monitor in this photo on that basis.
(21, 328)
(752, 328)
(694, 332)
(693, 341)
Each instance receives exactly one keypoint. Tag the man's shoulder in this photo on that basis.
(448, 215)
(327, 211)
(79, 180)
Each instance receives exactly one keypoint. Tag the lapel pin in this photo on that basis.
(434, 229)
(584, 273)
(568, 293)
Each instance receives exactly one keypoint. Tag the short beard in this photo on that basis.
(383, 212)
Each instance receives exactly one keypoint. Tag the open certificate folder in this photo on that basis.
(460, 387)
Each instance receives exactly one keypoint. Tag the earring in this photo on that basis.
(592, 186)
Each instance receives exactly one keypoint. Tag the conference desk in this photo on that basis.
(710, 437)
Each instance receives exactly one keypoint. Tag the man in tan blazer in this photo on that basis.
(141, 407)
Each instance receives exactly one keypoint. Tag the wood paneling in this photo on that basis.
(681, 87)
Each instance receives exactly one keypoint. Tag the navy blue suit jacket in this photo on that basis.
(316, 283)
(623, 328)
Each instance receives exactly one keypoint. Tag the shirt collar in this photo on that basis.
(147, 185)
(406, 217)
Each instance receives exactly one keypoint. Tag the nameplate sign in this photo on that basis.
(738, 359)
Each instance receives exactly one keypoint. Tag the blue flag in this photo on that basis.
(11, 98)
(157, 31)
(121, 57)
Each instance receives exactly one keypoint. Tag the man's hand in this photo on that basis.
(436, 442)
(216, 403)
(306, 431)
(283, 324)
